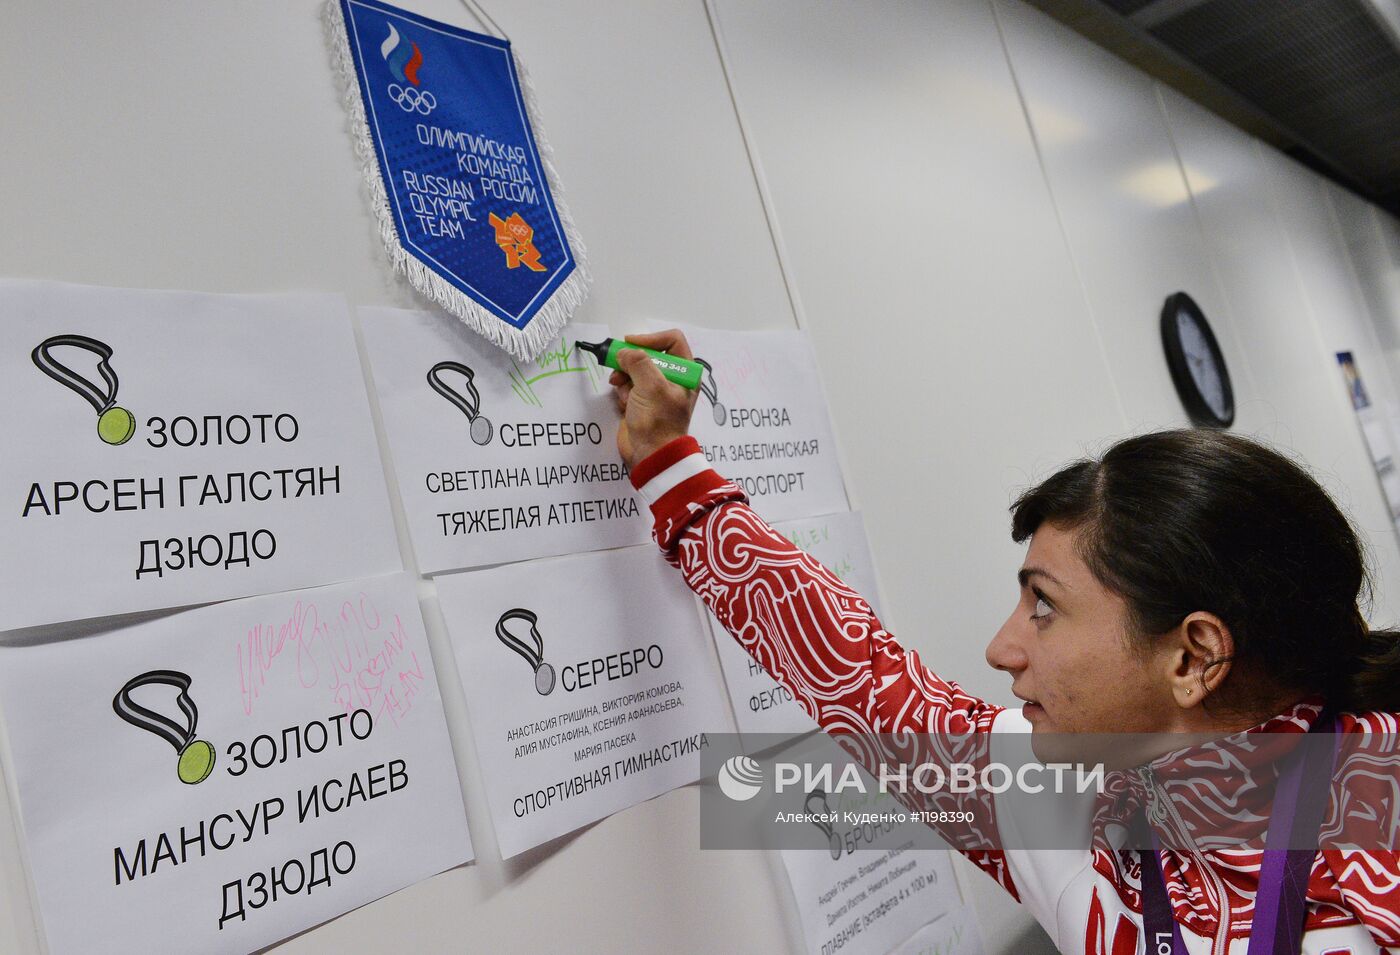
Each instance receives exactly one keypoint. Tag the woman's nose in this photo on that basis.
(1005, 652)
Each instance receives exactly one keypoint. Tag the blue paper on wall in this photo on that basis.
(461, 181)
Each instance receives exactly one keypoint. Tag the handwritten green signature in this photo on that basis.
(807, 539)
(562, 359)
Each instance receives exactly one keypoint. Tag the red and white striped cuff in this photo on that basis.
(669, 466)
(678, 484)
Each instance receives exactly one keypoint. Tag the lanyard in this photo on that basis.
(1280, 903)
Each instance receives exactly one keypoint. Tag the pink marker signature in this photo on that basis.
(737, 370)
(354, 656)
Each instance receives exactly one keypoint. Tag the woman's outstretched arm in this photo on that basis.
(817, 637)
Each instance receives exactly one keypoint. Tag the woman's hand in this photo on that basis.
(654, 411)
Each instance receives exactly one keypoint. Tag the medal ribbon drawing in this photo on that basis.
(114, 425)
(816, 805)
(533, 652)
(196, 755)
(710, 390)
(469, 402)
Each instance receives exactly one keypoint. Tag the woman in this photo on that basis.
(1187, 582)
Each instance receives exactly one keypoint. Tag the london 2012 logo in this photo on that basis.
(404, 60)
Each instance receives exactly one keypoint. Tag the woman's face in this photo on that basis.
(1066, 648)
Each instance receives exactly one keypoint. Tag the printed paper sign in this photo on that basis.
(497, 459)
(221, 778)
(863, 888)
(762, 420)
(954, 933)
(175, 448)
(589, 684)
(761, 706)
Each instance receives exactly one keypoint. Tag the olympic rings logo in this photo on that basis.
(411, 101)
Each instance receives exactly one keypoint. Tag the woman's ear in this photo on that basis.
(1201, 651)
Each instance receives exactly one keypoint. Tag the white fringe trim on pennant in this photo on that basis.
(546, 324)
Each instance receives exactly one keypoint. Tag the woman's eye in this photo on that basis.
(1042, 609)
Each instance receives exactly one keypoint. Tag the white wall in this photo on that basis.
(1296, 398)
(1373, 241)
(979, 215)
(1160, 195)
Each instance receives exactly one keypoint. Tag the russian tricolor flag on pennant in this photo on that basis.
(462, 184)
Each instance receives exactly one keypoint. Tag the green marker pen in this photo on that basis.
(682, 371)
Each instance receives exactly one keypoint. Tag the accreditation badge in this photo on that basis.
(461, 183)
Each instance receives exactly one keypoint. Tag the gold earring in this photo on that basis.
(1189, 692)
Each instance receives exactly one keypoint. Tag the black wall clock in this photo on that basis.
(1196, 363)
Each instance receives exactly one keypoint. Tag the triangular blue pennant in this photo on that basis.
(462, 184)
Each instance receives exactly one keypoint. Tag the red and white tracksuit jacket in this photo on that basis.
(821, 640)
